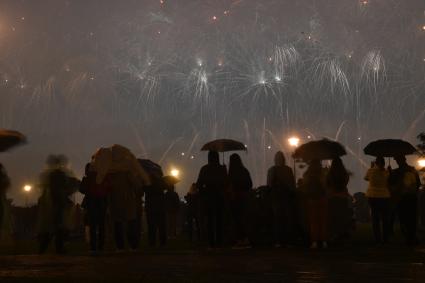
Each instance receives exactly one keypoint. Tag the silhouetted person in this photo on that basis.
(123, 207)
(281, 181)
(4, 186)
(57, 184)
(193, 212)
(404, 185)
(211, 182)
(317, 206)
(95, 203)
(361, 207)
(378, 195)
(340, 208)
(240, 184)
(155, 210)
(172, 206)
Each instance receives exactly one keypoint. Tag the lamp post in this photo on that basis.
(294, 142)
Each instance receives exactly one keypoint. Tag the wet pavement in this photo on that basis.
(283, 265)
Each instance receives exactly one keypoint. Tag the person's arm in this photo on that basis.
(367, 176)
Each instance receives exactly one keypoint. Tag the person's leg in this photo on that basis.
(411, 218)
(322, 210)
(385, 210)
(219, 222)
(59, 240)
(210, 225)
(152, 227)
(44, 240)
(162, 229)
(119, 235)
(131, 233)
(374, 208)
(313, 221)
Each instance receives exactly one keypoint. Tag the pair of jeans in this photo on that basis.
(380, 212)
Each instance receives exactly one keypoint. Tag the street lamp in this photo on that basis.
(421, 162)
(294, 142)
(175, 172)
(27, 190)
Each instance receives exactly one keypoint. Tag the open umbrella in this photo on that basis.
(223, 145)
(321, 149)
(9, 139)
(389, 148)
(153, 169)
(170, 180)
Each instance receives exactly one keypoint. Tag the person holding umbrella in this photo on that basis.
(212, 180)
(378, 196)
(403, 182)
(404, 185)
(315, 192)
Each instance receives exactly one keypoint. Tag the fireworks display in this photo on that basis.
(165, 76)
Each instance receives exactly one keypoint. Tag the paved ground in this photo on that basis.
(394, 264)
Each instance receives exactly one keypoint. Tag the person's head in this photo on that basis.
(235, 160)
(87, 169)
(380, 162)
(279, 159)
(213, 157)
(57, 161)
(401, 160)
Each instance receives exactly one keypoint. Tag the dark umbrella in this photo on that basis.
(321, 149)
(9, 139)
(389, 148)
(170, 180)
(151, 167)
(223, 145)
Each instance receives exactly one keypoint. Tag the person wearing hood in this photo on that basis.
(240, 184)
(280, 179)
(212, 180)
(57, 184)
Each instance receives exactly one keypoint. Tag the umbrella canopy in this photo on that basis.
(170, 180)
(117, 158)
(151, 168)
(223, 145)
(389, 148)
(321, 149)
(10, 139)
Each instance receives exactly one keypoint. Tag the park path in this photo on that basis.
(293, 265)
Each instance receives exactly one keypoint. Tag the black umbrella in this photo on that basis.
(389, 148)
(223, 145)
(153, 169)
(321, 149)
(9, 139)
(170, 180)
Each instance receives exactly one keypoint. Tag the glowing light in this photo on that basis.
(278, 79)
(27, 188)
(192, 157)
(421, 162)
(199, 62)
(226, 12)
(294, 141)
(182, 154)
(214, 18)
(423, 27)
(175, 172)
(269, 147)
(309, 137)
(23, 18)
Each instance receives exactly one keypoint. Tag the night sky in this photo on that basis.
(164, 77)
